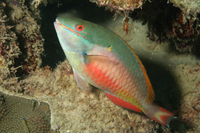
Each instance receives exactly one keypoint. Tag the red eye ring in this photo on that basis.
(79, 27)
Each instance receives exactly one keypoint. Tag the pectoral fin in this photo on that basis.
(84, 85)
(100, 59)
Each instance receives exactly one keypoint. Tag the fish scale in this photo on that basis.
(106, 83)
(101, 58)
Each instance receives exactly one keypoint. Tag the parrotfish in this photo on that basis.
(101, 58)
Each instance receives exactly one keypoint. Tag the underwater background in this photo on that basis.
(38, 89)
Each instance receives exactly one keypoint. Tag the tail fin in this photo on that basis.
(160, 115)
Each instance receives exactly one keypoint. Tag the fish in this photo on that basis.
(25, 125)
(33, 104)
(101, 58)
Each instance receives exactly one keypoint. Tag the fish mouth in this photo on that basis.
(57, 22)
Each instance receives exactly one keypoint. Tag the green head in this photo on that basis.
(75, 34)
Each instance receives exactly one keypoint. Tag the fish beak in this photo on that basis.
(57, 22)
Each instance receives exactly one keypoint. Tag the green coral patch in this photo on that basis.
(17, 115)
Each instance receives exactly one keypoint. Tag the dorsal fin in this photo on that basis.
(150, 91)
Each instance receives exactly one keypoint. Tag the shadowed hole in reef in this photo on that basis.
(53, 53)
(160, 16)
(167, 91)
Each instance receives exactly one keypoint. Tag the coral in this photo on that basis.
(16, 115)
(126, 25)
(120, 4)
(9, 50)
(28, 31)
(190, 110)
(159, 16)
(20, 47)
(187, 76)
(184, 31)
(18, 3)
(189, 7)
(122, 7)
(21, 43)
(170, 24)
(36, 3)
(2, 108)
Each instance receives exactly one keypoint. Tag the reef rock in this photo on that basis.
(121, 5)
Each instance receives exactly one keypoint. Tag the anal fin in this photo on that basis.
(122, 103)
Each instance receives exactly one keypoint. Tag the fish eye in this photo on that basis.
(79, 27)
